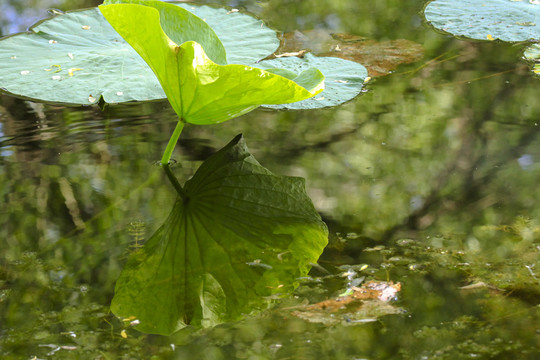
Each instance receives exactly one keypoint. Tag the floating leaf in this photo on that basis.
(239, 234)
(200, 91)
(246, 39)
(343, 79)
(109, 65)
(485, 20)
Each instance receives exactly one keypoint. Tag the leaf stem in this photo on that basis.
(172, 142)
(174, 182)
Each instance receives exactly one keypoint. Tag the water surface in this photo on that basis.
(429, 178)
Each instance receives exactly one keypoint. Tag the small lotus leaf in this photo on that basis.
(343, 79)
(507, 20)
(246, 39)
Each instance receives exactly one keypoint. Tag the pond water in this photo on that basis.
(428, 179)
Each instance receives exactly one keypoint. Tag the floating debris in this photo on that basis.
(56, 68)
(299, 54)
(357, 305)
(56, 12)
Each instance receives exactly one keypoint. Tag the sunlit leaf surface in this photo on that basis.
(343, 79)
(107, 66)
(246, 39)
(240, 234)
(486, 20)
(181, 26)
(199, 90)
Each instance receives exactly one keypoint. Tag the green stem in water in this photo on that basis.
(175, 182)
(172, 142)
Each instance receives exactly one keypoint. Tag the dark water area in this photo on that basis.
(427, 179)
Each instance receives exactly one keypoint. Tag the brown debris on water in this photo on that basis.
(379, 57)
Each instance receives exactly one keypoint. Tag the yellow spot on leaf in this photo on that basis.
(56, 68)
(70, 71)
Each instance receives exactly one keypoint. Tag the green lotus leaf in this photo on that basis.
(182, 25)
(201, 91)
(239, 234)
(344, 79)
(507, 20)
(77, 57)
(246, 39)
